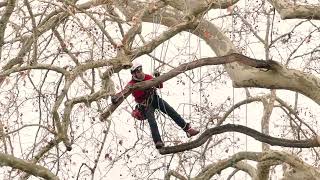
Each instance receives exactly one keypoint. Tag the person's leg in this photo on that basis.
(149, 112)
(166, 108)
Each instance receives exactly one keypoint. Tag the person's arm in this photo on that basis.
(157, 74)
(116, 97)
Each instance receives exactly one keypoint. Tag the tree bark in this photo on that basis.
(36, 170)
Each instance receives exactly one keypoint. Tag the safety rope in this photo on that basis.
(200, 86)
(246, 106)
(190, 72)
(246, 49)
(233, 90)
(155, 28)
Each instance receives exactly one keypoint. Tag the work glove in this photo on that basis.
(156, 73)
(114, 99)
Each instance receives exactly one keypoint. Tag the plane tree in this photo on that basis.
(61, 60)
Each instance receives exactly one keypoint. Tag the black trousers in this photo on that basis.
(155, 102)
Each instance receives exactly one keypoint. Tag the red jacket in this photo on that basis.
(141, 95)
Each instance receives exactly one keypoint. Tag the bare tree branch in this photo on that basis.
(10, 4)
(42, 28)
(40, 155)
(241, 129)
(36, 170)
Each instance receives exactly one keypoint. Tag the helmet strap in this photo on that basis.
(135, 78)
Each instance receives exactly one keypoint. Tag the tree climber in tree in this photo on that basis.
(148, 101)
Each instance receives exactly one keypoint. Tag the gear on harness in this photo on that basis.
(139, 112)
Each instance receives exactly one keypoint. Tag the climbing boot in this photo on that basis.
(159, 144)
(190, 131)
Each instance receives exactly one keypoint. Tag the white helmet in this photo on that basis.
(135, 66)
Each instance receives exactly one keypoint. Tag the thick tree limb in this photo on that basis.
(263, 169)
(246, 167)
(28, 167)
(245, 76)
(258, 157)
(289, 10)
(174, 174)
(244, 130)
(194, 7)
(234, 57)
(2, 4)
(225, 163)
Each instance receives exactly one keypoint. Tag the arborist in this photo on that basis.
(148, 101)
